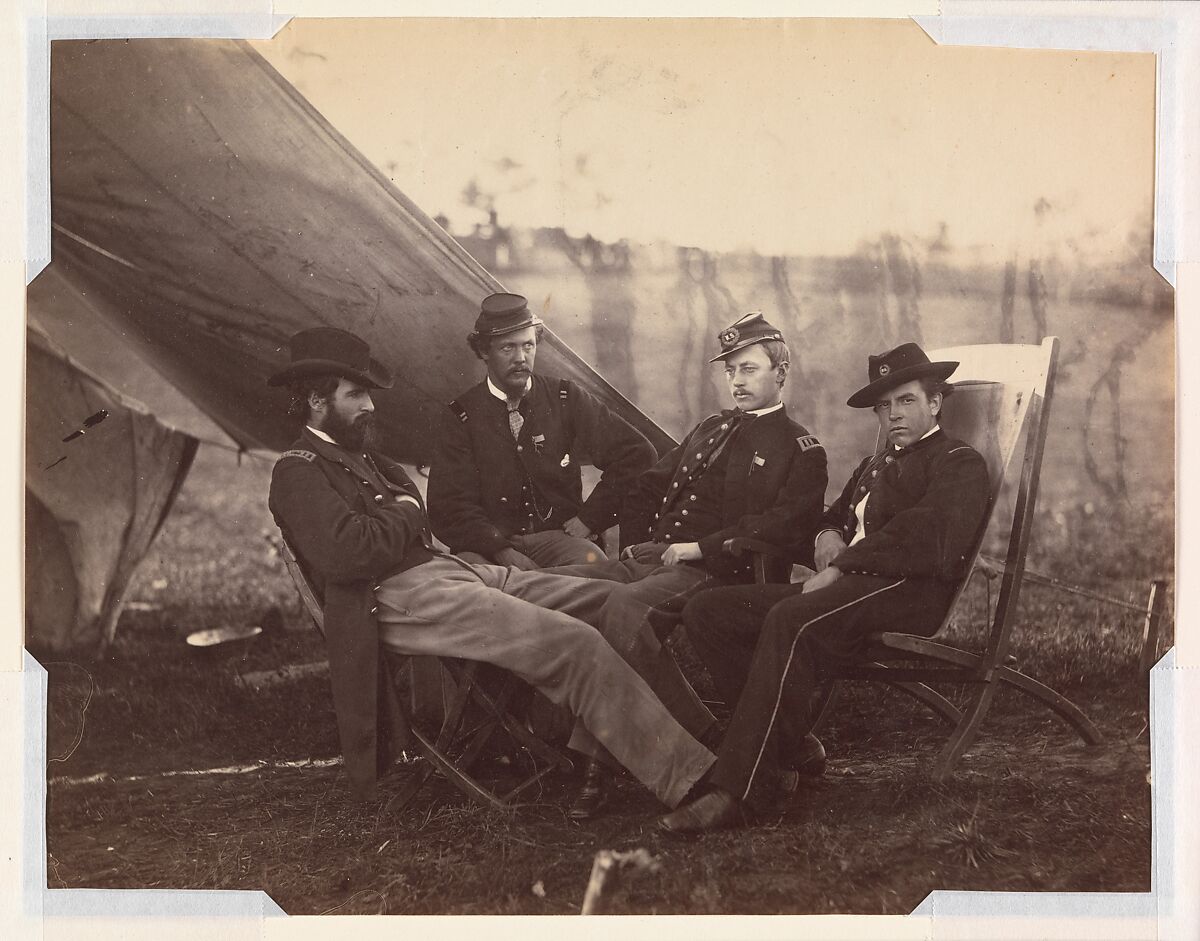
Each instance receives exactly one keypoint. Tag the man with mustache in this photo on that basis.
(750, 472)
(505, 485)
(357, 524)
(890, 555)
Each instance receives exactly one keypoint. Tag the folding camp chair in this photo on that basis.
(1000, 406)
(439, 690)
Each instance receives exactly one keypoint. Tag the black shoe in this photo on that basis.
(593, 793)
(810, 757)
(809, 764)
(714, 811)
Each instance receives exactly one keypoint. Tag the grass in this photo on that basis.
(1029, 809)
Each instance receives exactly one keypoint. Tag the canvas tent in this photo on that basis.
(206, 212)
(205, 206)
(93, 504)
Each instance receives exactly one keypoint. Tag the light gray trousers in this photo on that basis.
(538, 626)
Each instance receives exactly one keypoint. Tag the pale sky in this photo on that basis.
(796, 137)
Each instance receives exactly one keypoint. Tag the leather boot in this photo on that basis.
(593, 793)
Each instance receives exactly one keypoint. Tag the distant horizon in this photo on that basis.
(1067, 279)
(934, 257)
(794, 137)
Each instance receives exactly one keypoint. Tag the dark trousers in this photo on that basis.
(764, 645)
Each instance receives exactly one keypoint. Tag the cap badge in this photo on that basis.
(884, 369)
(729, 337)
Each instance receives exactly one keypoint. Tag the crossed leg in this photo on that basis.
(534, 624)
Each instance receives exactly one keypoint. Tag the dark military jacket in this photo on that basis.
(343, 516)
(771, 487)
(484, 486)
(928, 502)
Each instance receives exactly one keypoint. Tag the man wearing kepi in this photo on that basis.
(891, 555)
(505, 485)
(358, 527)
(747, 472)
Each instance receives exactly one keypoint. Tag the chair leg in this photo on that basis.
(1061, 706)
(452, 735)
(823, 708)
(401, 800)
(981, 700)
(945, 709)
(464, 782)
(465, 681)
(522, 735)
(964, 734)
(497, 706)
(508, 798)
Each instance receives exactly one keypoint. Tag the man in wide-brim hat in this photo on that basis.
(892, 551)
(748, 472)
(357, 525)
(505, 483)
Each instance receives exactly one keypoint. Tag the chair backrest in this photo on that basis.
(1001, 407)
(303, 585)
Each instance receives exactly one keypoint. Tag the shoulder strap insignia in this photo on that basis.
(807, 442)
(458, 410)
(562, 389)
(296, 452)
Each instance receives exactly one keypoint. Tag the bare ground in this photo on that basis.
(1029, 809)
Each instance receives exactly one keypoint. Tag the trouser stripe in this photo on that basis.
(787, 666)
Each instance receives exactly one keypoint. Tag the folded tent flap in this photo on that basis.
(94, 504)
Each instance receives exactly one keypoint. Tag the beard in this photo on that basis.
(357, 434)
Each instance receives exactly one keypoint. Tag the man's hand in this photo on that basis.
(648, 553)
(822, 579)
(829, 546)
(683, 552)
(515, 559)
(574, 527)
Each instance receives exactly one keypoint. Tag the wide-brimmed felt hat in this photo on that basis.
(746, 331)
(324, 350)
(894, 368)
(503, 313)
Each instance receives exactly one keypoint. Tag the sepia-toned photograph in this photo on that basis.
(599, 467)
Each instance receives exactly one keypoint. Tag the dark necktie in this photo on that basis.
(515, 418)
(734, 418)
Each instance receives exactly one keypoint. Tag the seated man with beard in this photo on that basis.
(357, 524)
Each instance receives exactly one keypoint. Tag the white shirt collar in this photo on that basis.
(320, 434)
(501, 394)
(936, 428)
(759, 412)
